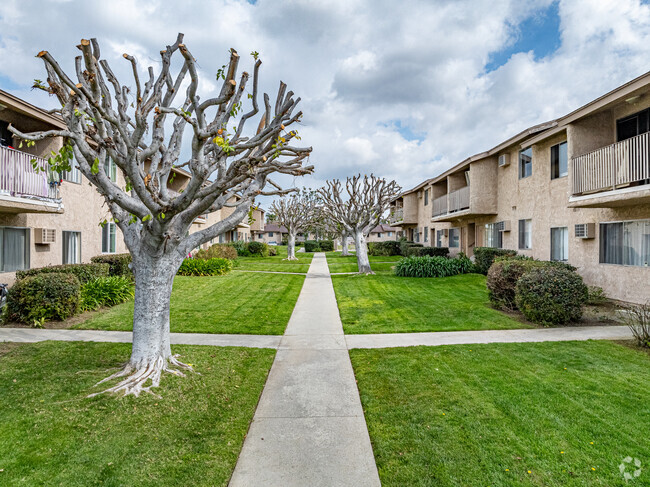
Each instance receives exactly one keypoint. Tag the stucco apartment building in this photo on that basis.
(575, 189)
(383, 233)
(50, 219)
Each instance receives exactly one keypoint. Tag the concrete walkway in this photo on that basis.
(309, 427)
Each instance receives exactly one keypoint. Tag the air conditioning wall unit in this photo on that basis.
(504, 160)
(44, 236)
(585, 230)
(504, 226)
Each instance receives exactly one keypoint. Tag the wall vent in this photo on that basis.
(585, 230)
(504, 160)
(44, 236)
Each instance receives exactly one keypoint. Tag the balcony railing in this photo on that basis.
(459, 199)
(397, 216)
(19, 178)
(612, 167)
(440, 206)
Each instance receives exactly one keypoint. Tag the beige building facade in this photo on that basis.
(576, 189)
(383, 233)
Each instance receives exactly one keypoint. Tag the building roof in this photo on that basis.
(383, 228)
(274, 227)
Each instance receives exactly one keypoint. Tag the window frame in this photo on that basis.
(426, 197)
(494, 230)
(28, 239)
(556, 164)
(523, 165)
(63, 248)
(111, 170)
(451, 239)
(565, 240)
(602, 241)
(110, 238)
(524, 235)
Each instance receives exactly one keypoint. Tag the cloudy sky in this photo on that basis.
(403, 89)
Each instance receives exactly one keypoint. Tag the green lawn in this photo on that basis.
(276, 263)
(238, 302)
(544, 414)
(51, 434)
(352, 267)
(273, 267)
(385, 303)
(337, 258)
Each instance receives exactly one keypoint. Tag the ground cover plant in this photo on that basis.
(242, 302)
(205, 267)
(563, 414)
(51, 434)
(106, 291)
(427, 266)
(385, 303)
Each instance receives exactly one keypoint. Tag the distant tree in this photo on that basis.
(359, 210)
(271, 217)
(295, 213)
(141, 129)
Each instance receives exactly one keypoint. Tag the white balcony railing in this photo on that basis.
(612, 167)
(459, 199)
(19, 177)
(440, 206)
(397, 216)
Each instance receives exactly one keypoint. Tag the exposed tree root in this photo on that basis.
(138, 376)
(291, 258)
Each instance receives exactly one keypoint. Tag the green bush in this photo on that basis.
(311, 246)
(118, 264)
(83, 272)
(326, 245)
(596, 295)
(241, 248)
(273, 251)
(384, 248)
(44, 296)
(427, 266)
(404, 245)
(217, 251)
(431, 251)
(106, 291)
(484, 256)
(551, 295)
(258, 248)
(209, 267)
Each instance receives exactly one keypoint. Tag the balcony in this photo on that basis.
(451, 203)
(25, 187)
(397, 216)
(616, 175)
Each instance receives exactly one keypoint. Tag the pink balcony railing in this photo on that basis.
(20, 178)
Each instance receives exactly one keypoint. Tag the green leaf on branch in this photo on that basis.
(95, 167)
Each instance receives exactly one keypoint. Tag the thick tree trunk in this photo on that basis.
(151, 352)
(362, 253)
(344, 244)
(291, 247)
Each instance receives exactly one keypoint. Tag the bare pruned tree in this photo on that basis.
(141, 128)
(295, 213)
(359, 210)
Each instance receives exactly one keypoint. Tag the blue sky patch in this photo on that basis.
(539, 33)
(405, 131)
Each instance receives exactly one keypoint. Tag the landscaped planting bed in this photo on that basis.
(385, 303)
(238, 302)
(51, 434)
(559, 414)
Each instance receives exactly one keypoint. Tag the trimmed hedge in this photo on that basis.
(258, 248)
(44, 296)
(326, 245)
(551, 295)
(404, 245)
(209, 267)
(106, 291)
(484, 257)
(391, 247)
(83, 272)
(118, 264)
(311, 246)
(431, 251)
(217, 251)
(427, 266)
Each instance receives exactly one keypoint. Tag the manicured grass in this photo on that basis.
(238, 302)
(337, 258)
(385, 303)
(352, 267)
(272, 266)
(545, 414)
(303, 257)
(51, 434)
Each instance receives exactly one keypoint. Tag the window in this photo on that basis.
(14, 249)
(559, 166)
(426, 197)
(108, 238)
(5, 136)
(417, 235)
(389, 234)
(525, 235)
(560, 243)
(426, 234)
(439, 235)
(454, 237)
(634, 125)
(74, 175)
(270, 234)
(625, 243)
(526, 163)
(111, 170)
(71, 247)
(493, 235)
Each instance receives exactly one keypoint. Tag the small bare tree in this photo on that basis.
(294, 212)
(141, 129)
(360, 210)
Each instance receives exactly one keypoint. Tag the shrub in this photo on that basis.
(44, 296)
(427, 266)
(596, 295)
(431, 251)
(83, 272)
(106, 291)
(637, 318)
(404, 245)
(217, 251)
(258, 248)
(208, 267)
(384, 248)
(484, 257)
(326, 245)
(550, 295)
(273, 251)
(118, 264)
(502, 279)
(241, 248)
(311, 246)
